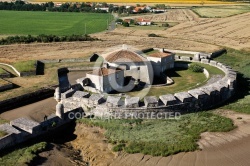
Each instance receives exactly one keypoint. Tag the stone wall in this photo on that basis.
(26, 98)
(23, 129)
(197, 99)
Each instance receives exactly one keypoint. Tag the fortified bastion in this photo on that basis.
(100, 104)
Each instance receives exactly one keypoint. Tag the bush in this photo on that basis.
(153, 35)
(118, 147)
(125, 24)
(44, 39)
(118, 20)
(195, 68)
(165, 25)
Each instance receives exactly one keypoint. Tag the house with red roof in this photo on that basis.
(142, 21)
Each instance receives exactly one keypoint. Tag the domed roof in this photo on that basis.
(124, 56)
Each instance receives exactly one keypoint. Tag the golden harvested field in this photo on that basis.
(173, 15)
(230, 31)
(143, 1)
(221, 11)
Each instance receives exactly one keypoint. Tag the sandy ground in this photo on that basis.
(59, 155)
(217, 148)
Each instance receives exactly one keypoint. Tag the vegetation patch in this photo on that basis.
(2, 133)
(22, 156)
(153, 35)
(2, 71)
(196, 68)
(44, 39)
(27, 66)
(160, 137)
(56, 23)
(239, 61)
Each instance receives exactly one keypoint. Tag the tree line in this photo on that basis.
(50, 6)
(44, 39)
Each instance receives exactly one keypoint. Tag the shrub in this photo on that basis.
(118, 147)
(195, 68)
(165, 25)
(125, 24)
(118, 20)
(44, 39)
(153, 35)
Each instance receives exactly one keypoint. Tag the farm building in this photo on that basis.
(141, 21)
(138, 9)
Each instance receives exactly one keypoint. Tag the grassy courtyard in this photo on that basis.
(27, 66)
(184, 80)
(55, 23)
(160, 137)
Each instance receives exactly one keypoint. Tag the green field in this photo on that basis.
(220, 11)
(55, 23)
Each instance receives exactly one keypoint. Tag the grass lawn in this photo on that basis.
(25, 66)
(55, 23)
(220, 11)
(160, 137)
(33, 83)
(22, 156)
(239, 61)
(184, 80)
(2, 71)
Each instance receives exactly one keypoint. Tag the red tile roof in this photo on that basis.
(139, 8)
(160, 54)
(142, 20)
(124, 56)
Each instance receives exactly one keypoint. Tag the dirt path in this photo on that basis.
(35, 111)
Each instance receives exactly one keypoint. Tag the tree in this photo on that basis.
(118, 20)
(125, 24)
